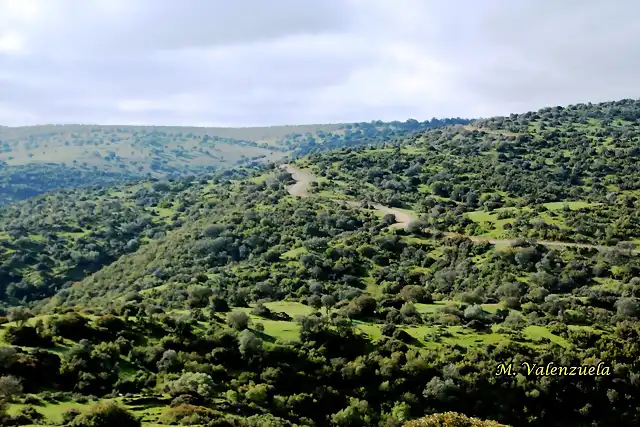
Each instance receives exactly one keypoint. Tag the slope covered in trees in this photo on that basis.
(566, 174)
(38, 159)
(226, 300)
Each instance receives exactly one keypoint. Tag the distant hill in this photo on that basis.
(37, 159)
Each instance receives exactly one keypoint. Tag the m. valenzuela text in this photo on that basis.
(550, 369)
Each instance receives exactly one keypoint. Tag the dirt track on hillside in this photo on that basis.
(403, 219)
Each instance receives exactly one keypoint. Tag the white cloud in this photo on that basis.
(11, 43)
(252, 62)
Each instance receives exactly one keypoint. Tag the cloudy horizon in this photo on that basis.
(257, 63)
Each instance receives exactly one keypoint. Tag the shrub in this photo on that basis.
(195, 384)
(27, 336)
(451, 419)
(106, 414)
(238, 320)
(70, 415)
(33, 400)
(186, 414)
(26, 416)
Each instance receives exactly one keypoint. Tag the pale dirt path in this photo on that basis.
(402, 218)
(305, 178)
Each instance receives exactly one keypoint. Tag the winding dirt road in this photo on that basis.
(305, 178)
(303, 181)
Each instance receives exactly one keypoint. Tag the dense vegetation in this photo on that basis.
(566, 174)
(223, 300)
(38, 159)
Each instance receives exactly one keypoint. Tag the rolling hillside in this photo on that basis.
(362, 286)
(38, 159)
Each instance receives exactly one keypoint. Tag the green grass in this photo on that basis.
(536, 332)
(432, 308)
(279, 329)
(491, 308)
(292, 308)
(372, 286)
(294, 253)
(261, 178)
(52, 411)
(372, 330)
(572, 205)
(490, 220)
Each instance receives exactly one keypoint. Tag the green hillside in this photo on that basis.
(421, 274)
(37, 159)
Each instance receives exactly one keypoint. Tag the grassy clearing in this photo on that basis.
(432, 308)
(535, 332)
(52, 411)
(261, 178)
(294, 253)
(490, 221)
(292, 308)
(571, 205)
(279, 329)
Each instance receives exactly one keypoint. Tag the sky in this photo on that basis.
(271, 62)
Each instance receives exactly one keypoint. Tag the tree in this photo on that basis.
(261, 310)
(388, 219)
(259, 393)
(416, 227)
(248, 344)
(196, 384)
(515, 321)
(19, 315)
(169, 362)
(328, 301)
(441, 390)
(218, 305)
(451, 419)
(408, 309)
(362, 306)
(475, 312)
(238, 320)
(415, 293)
(199, 296)
(628, 307)
(355, 415)
(314, 301)
(9, 387)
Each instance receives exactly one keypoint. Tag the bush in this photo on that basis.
(261, 310)
(26, 416)
(238, 320)
(106, 414)
(27, 336)
(70, 415)
(187, 415)
(451, 419)
(195, 384)
(33, 400)
(184, 399)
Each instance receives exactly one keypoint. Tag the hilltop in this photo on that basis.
(37, 159)
(363, 286)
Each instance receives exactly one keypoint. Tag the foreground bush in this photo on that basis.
(187, 414)
(451, 419)
(107, 414)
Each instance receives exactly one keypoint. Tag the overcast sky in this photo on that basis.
(264, 62)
